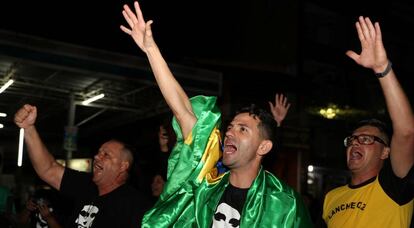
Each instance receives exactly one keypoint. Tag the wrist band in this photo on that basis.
(386, 71)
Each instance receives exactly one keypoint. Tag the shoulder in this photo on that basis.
(207, 113)
(76, 174)
(71, 176)
(205, 107)
(278, 186)
(337, 190)
(130, 198)
(129, 194)
(400, 190)
(127, 191)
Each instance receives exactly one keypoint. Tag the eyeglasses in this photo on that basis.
(363, 139)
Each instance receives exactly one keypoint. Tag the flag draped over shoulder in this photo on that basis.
(191, 160)
(194, 188)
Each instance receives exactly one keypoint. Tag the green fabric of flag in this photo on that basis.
(194, 188)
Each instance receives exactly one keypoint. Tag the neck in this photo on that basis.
(244, 177)
(103, 190)
(164, 148)
(109, 187)
(359, 178)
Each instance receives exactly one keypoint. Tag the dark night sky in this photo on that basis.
(265, 31)
(183, 29)
(96, 23)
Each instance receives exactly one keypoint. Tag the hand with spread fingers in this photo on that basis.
(280, 108)
(373, 54)
(139, 29)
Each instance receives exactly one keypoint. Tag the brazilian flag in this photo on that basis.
(194, 186)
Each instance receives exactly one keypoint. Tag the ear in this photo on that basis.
(124, 166)
(264, 147)
(385, 153)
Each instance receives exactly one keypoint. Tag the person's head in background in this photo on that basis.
(166, 135)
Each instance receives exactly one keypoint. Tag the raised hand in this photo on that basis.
(26, 116)
(373, 54)
(172, 91)
(138, 29)
(280, 109)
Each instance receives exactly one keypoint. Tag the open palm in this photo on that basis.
(138, 29)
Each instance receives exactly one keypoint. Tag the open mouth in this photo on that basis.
(228, 149)
(355, 155)
(97, 167)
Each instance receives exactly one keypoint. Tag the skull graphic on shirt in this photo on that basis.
(86, 216)
(226, 216)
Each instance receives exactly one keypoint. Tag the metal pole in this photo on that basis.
(69, 147)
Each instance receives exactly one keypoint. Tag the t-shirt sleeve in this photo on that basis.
(398, 189)
(76, 184)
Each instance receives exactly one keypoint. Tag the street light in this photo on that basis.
(5, 86)
(92, 99)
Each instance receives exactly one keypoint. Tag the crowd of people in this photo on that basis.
(212, 176)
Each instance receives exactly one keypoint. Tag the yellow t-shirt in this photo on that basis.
(383, 201)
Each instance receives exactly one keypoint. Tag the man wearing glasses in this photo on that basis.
(381, 191)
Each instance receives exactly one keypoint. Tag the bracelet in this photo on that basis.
(386, 71)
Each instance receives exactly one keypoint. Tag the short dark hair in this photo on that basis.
(267, 126)
(380, 125)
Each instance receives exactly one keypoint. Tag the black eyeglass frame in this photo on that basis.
(350, 139)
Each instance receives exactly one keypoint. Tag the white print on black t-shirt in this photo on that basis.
(226, 216)
(86, 216)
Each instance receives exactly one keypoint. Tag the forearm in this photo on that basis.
(172, 91)
(399, 109)
(43, 162)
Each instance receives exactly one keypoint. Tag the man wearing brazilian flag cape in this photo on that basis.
(195, 194)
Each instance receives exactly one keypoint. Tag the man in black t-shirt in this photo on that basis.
(230, 207)
(122, 207)
(102, 199)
